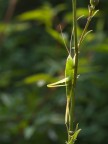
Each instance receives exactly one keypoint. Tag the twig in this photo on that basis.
(8, 16)
(87, 24)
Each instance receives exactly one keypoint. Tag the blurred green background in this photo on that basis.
(32, 54)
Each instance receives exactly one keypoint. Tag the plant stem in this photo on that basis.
(76, 45)
(86, 26)
(8, 16)
(72, 106)
(75, 42)
(76, 51)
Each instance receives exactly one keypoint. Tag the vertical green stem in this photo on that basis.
(75, 42)
(76, 45)
(71, 128)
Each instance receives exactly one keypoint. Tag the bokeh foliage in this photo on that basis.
(32, 54)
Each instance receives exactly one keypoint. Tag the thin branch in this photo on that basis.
(91, 9)
(8, 16)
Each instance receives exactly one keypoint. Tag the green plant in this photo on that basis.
(71, 71)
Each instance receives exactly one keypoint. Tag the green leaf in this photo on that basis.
(44, 14)
(13, 27)
(6, 100)
(56, 35)
(74, 137)
(28, 132)
(36, 78)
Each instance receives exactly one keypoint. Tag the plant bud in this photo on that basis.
(94, 2)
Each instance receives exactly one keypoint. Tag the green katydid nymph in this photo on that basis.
(67, 81)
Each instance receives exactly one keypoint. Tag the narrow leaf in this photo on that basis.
(80, 17)
(86, 34)
(95, 13)
(74, 137)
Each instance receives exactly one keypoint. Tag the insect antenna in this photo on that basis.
(71, 39)
(64, 40)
